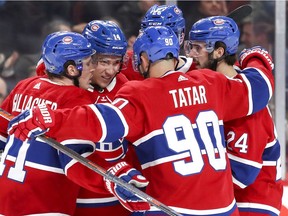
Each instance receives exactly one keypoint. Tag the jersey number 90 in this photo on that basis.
(189, 143)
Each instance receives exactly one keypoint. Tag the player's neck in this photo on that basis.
(62, 81)
(159, 68)
(227, 70)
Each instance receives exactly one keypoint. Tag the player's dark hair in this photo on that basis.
(65, 73)
(52, 75)
(169, 56)
(229, 59)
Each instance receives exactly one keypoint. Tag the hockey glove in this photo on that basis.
(129, 200)
(32, 123)
(256, 52)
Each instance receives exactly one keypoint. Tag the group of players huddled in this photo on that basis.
(193, 131)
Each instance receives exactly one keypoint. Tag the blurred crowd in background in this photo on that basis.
(25, 24)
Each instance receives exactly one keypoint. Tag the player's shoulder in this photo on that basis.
(74, 91)
(75, 96)
(66, 95)
(207, 74)
(121, 78)
(26, 84)
(28, 80)
(200, 72)
(132, 87)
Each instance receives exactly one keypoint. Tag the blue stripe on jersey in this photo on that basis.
(112, 146)
(2, 145)
(244, 173)
(77, 146)
(38, 153)
(3, 141)
(41, 153)
(257, 88)
(116, 130)
(97, 205)
(157, 143)
(257, 210)
(272, 153)
(184, 212)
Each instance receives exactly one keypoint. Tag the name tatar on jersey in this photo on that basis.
(22, 102)
(188, 96)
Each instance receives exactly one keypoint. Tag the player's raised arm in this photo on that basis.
(257, 74)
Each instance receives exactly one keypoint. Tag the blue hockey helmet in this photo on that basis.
(106, 37)
(216, 28)
(156, 42)
(47, 39)
(165, 15)
(60, 47)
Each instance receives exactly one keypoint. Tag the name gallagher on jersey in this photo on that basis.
(23, 102)
(188, 96)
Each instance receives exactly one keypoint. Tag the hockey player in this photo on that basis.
(17, 102)
(110, 44)
(252, 144)
(166, 15)
(173, 120)
(33, 174)
(163, 15)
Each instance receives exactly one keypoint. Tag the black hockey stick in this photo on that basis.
(100, 170)
(240, 13)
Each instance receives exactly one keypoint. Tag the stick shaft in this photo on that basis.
(240, 13)
(100, 170)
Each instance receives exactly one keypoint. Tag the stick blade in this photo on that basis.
(240, 13)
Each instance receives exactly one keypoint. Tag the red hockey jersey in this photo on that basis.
(91, 203)
(175, 123)
(32, 175)
(128, 69)
(254, 153)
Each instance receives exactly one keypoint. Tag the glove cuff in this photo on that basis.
(257, 53)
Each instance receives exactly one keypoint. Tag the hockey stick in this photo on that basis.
(240, 13)
(100, 170)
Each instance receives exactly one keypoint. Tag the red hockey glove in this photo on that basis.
(129, 200)
(32, 123)
(256, 52)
